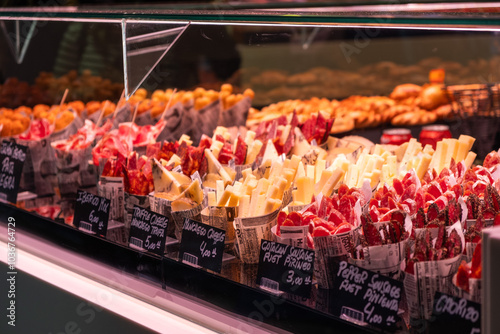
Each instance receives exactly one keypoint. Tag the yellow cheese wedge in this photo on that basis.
(270, 154)
(375, 178)
(244, 206)
(462, 151)
(325, 176)
(310, 171)
(469, 160)
(327, 190)
(262, 186)
(305, 188)
(183, 204)
(219, 187)
(193, 192)
(468, 140)
(400, 151)
(272, 191)
(225, 196)
(234, 200)
(294, 162)
(185, 138)
(163, 179)
(282, 185)
(214, 164)
(249, 137)
(423, 166)
(216, 147)
(174, 161)
(212, 199)
(253, 151)
(320, 167)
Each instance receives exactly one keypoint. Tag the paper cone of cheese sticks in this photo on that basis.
(431, 268)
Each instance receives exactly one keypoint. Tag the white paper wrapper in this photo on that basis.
(180, 216)
(384, 259)
(249, 232)
(129, 203)
(116, 233)
(474, 293)
(221, 217)
(163, 207)
(295, 236)
(112, 188)
(430, 276)
(39, 169)
(74, 171)
(328, 249)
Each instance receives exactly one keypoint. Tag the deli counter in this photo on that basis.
(249, 167)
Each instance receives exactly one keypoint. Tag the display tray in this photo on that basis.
(288, 312)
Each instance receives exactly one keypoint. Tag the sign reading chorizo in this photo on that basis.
(455, 315)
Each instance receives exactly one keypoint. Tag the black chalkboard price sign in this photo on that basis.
(285, 268)
(12, 157)
(455, 315)
(91, 213)
(202, 245)
(363, 296)
(147, 230)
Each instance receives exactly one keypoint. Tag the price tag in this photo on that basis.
(455, 315)
(285, 268)
(12, 157)
(147, 230)
(202, 245)
(365, 297)
(91, 213)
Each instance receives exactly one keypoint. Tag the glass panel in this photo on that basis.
(18, 35)
(145, 44)
(85, 57)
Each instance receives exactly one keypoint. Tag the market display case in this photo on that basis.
(293, 79)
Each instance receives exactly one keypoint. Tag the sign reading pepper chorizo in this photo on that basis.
(285, 268)
(91, 213)
(202, 245)
(12, 157)
(363, 296)
(455, 315)
(147, 230)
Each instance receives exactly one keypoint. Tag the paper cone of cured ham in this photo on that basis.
(39, 170)
(332, 224)
(383, 244)
(72, 159)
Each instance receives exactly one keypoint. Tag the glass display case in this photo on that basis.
(369, 68)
